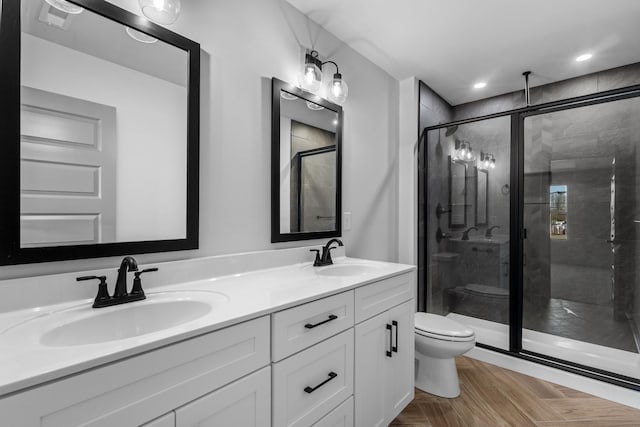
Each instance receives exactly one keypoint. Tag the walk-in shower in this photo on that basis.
(537, 250)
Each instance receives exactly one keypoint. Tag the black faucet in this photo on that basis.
(325, 258)
(465, 234)
(128, 264)
(488, 234)
(120, 295)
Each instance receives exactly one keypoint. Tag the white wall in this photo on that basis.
(244, 44)
(150, 196)
(408, 172)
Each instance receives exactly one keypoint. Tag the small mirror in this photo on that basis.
(101, 151)
(482, 196)
(306, 137)
(457, 193)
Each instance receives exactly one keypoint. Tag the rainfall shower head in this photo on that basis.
(451, 130)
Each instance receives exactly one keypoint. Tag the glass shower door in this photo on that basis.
(468, 223)
(582, 216)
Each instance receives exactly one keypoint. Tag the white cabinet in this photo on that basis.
(384, 362)
(244, 403)
(136, 390)
(326, 363)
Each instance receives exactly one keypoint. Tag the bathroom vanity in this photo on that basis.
(287, 345)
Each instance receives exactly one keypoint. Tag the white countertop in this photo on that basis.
(25, 361)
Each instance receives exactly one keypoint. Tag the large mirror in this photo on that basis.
(457, 193)
(482, 196)
(305, 165)
(100, 133)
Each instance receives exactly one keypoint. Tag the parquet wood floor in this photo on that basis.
(494, 397)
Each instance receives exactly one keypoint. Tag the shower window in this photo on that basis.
(558, 212)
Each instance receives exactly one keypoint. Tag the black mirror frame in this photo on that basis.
(10, 251)
(276, 236)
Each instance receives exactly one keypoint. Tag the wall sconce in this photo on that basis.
(310, 78)
(464, 151)
(163, 12)
(488, 160)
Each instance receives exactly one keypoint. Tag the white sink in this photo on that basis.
(342, 270)
(83, 325)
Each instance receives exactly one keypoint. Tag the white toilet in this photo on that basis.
(438, 341)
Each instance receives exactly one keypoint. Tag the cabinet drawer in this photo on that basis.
(308, 385)
(377, 297)
(305, 325)
(143, 387)
(342, 416)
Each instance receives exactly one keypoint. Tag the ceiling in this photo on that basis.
(452, 44)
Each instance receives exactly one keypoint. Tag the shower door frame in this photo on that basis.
(517, 232)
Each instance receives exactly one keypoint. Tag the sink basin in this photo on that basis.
(129, 322)
(83, 325)
(345, 270)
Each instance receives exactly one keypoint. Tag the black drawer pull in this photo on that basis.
(395, 347)
(310, 326)
(332, 375)
(389, 354)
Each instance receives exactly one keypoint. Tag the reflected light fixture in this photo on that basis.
(584, 57)
(479, 85)
(288, 96)
(163, 12)
(140, 36)
(464, 151)
(310, 78)
(488, 161)
(313, 106)
(65, 6)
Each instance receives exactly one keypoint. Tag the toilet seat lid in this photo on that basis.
(434, 324)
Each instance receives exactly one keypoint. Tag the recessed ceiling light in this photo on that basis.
(479, 85)
(584, 57)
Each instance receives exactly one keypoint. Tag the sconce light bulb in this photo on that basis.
(336, 89)
(339, 90)
(310, 77)
(493, 163)
(163, 12)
